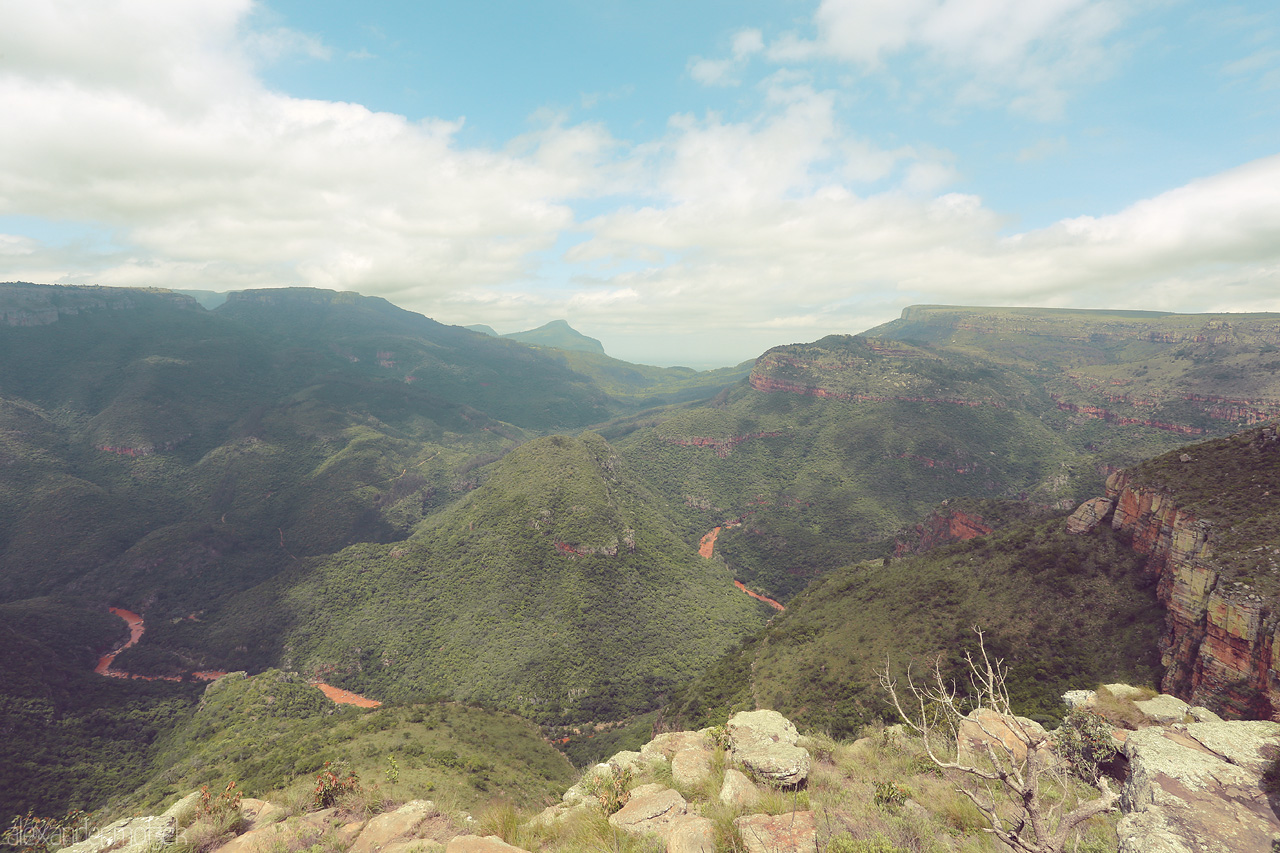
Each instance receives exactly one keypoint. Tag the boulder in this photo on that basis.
(793, 832)
(392, 826)
(654, 812)
(668, 744)
(414, 845)
(260, 813)
(764, 742)
(129, 835)
(1164, 709)
(1089, 515)
(634, 761)
(481, 844)
(184, 810)
(738, 790)
(689, 767)
(1198, 788)
(1007, 735)
(692, 834)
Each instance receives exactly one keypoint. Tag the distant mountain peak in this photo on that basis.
(558, 334)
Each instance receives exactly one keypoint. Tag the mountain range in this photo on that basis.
(317, 482)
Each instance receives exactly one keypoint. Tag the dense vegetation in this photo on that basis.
(266, 731)
(325, 483)
(1062, 611)
(69, 738)
(557, 588)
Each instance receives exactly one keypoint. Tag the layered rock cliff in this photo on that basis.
(1222, 626)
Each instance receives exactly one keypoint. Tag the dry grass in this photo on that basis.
(1120, 711)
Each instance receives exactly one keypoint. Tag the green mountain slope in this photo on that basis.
(557, 588)
(269, 730)
(1062, 611)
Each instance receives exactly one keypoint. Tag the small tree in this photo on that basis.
(1015, 770)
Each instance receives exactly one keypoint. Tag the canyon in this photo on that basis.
(137, 628)
(1221, 637)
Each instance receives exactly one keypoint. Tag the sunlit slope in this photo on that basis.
(832, 448)
(558, 588)
(1198, 374)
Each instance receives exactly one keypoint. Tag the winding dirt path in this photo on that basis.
(136, 630)
(707, 547)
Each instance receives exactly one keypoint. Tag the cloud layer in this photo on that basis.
(148, 122)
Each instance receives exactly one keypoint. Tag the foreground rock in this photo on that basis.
(1007, 735)
(764, 742)
(481, 844)
(129, 835)
(386, 828)
(794, 832)
(1198, 789)
(654, 812)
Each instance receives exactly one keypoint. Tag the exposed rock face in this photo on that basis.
(481, 844)
(650, 812)
(738, 790)
(1218, 644)
(386, 828)
(692, 834)
(128, 835)
(984, 726)
(942, 528)
(765, 743)
(689, 767)
(794, 832)
(1198, 789)
(1089, 515)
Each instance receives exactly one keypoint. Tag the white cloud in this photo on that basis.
(723, 72)
(1026, 54)
(147, 117)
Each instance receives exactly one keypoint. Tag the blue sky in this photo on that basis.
(690, 183)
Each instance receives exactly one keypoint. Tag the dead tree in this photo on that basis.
(1014, 769)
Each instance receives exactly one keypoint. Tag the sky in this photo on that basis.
(690, 183)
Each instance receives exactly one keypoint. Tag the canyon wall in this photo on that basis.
(1220, 636)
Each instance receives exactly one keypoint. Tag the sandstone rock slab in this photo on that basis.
(691, 766)
(481, 844)
(1009, 736)
(1089, 515)
(392, 826)
(668, 744)
(1198, 788)
(650, 812)
(793, 832)
(1164, 708)
(129, 835)
(692, 834)
(764, 742)
(738, 790)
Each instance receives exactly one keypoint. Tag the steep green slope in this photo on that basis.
(1063, 612)
(557, 588)
(70, 738)
(266, 731)
(805, 477)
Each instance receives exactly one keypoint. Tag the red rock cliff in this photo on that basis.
(1219, 639)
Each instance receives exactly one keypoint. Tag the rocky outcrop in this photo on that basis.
(1199, 789)
(722, 446)
(129, 835)
(650, 812)
(1089, 515)
(793, 832)
(942, 528)
(1219, 640)
(764, 742)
